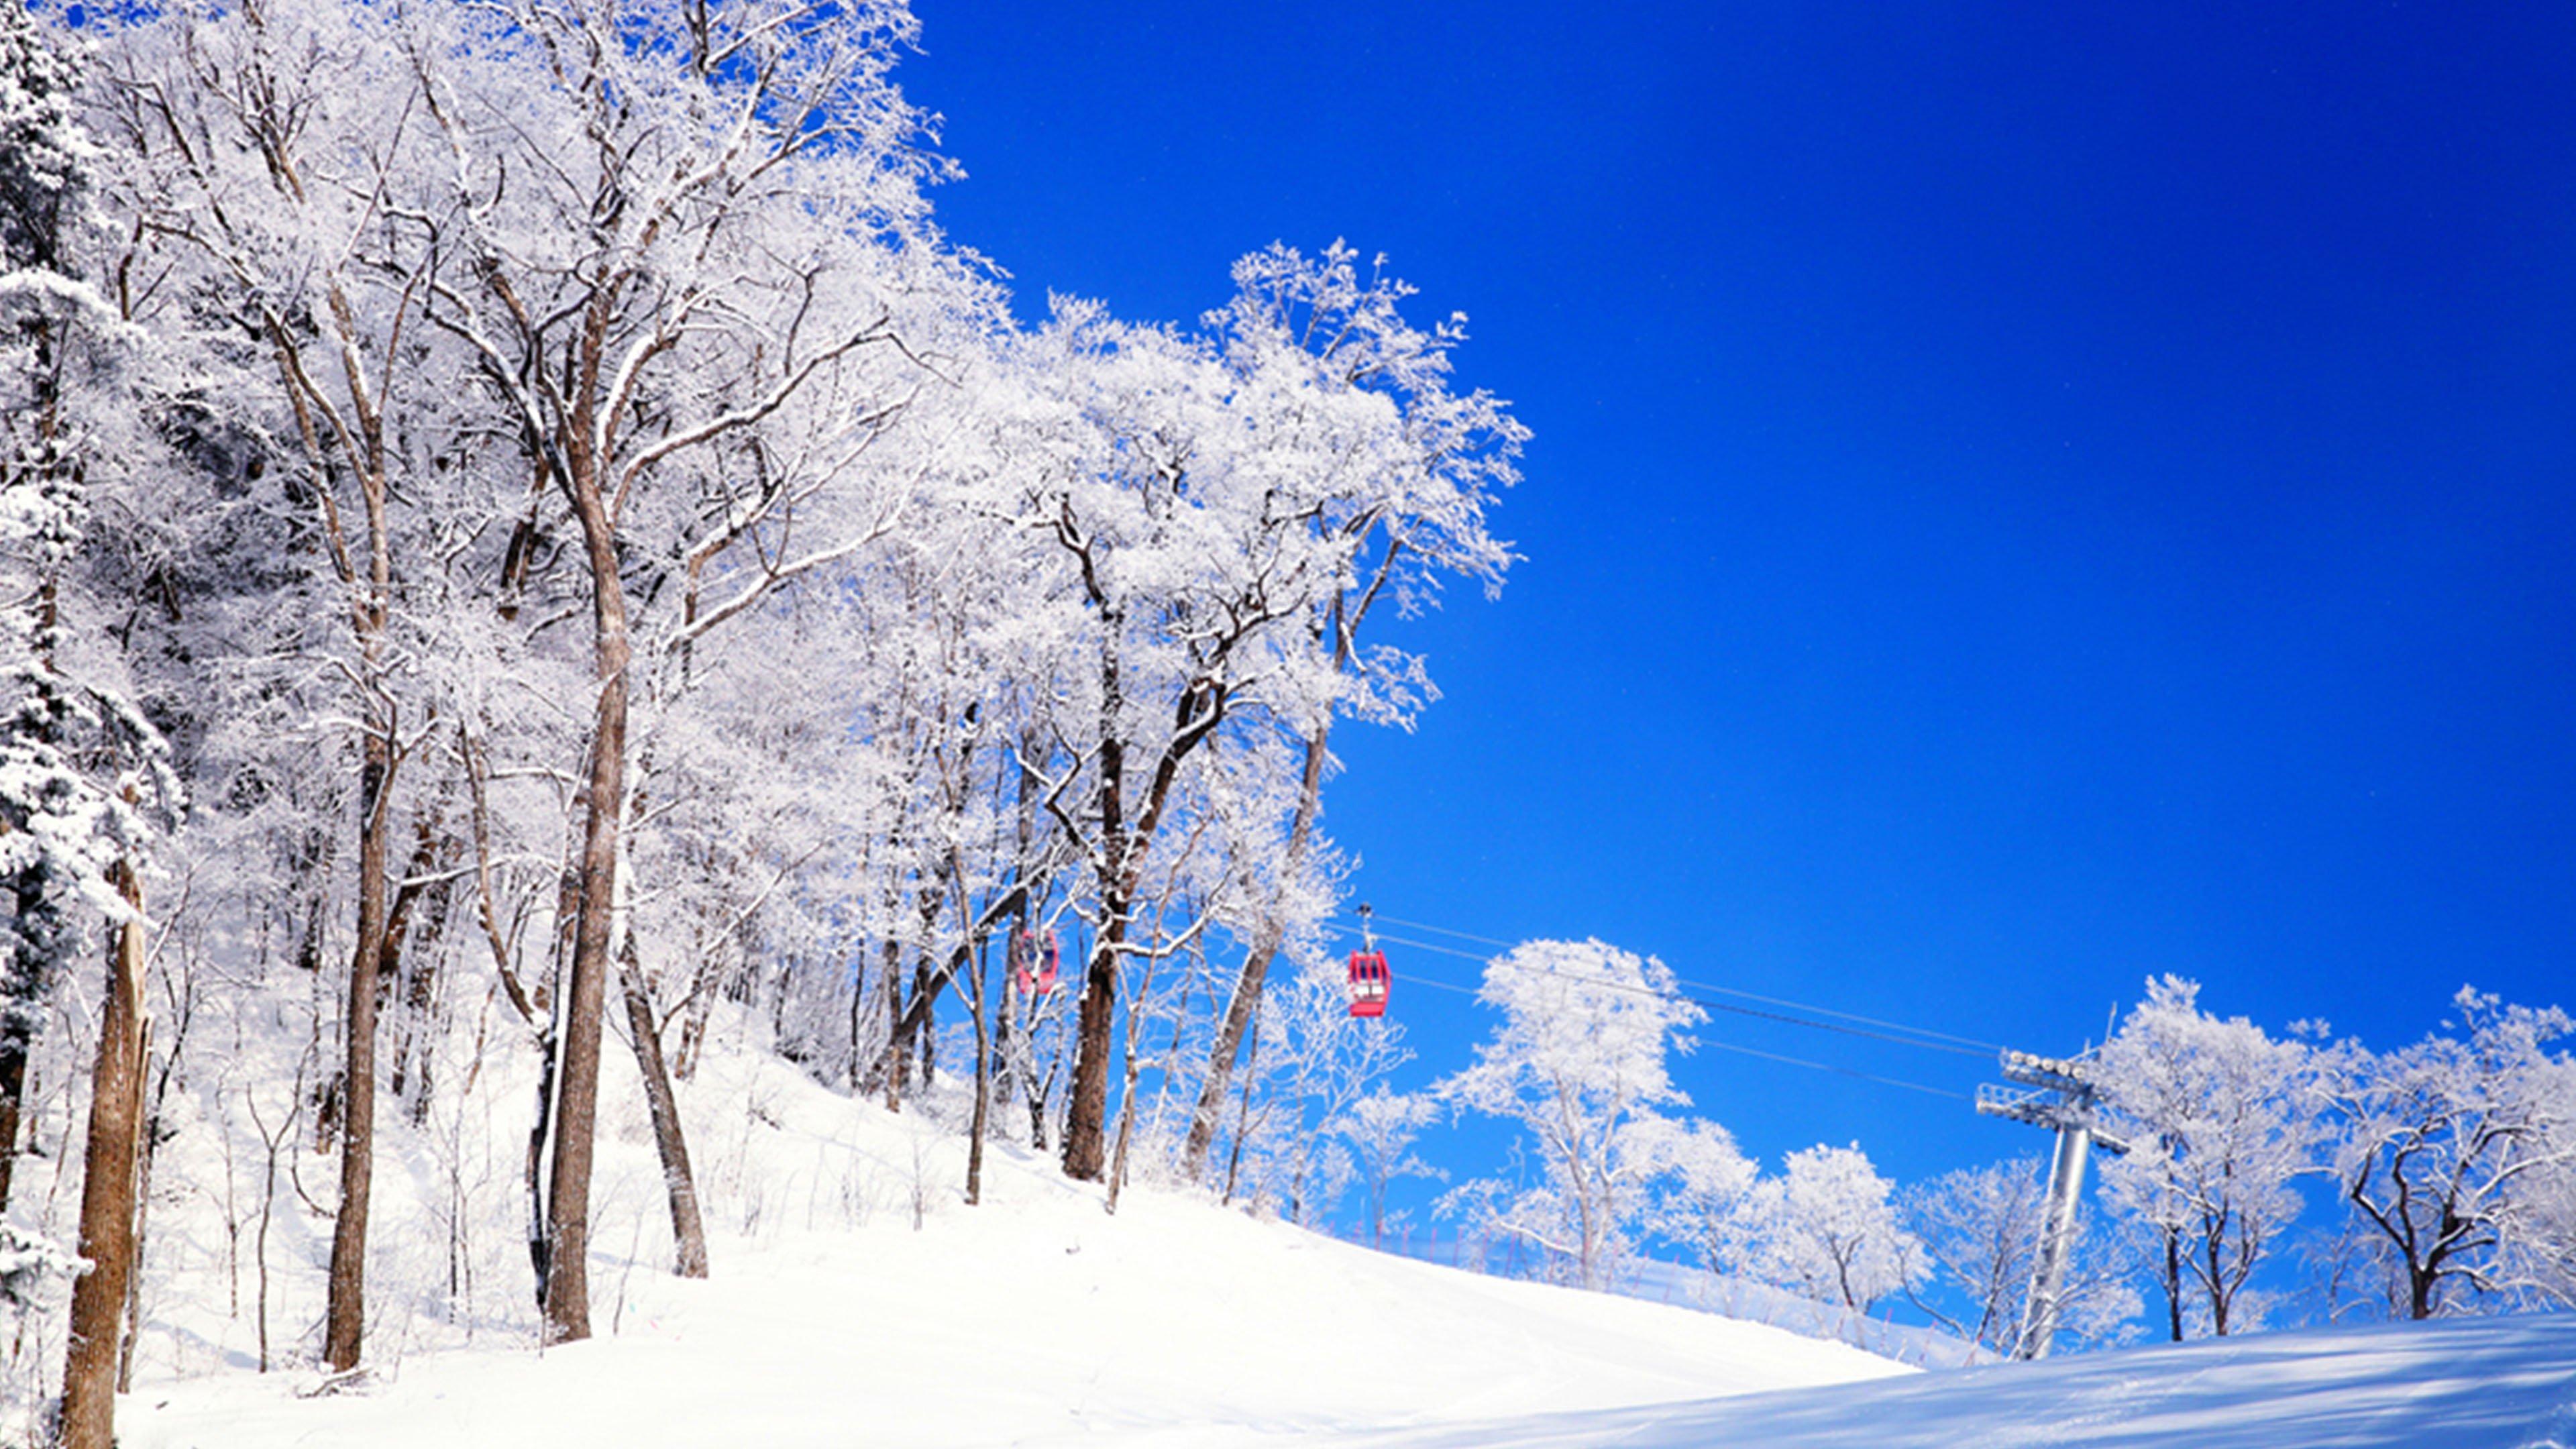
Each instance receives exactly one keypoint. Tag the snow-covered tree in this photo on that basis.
(585, 534)
(1381, 1129)
(1828, 1228)
(83, 774)
(273, 153)
(1178, 506)
(1311, 1065)
(1978, 1230)
(2453, 1154)
(41, 151)
(1395, 471)
(1703, 1206)
(2221, 1121)
(1579, 1061)
(724, 236)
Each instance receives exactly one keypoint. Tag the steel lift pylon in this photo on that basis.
(2057, 1093)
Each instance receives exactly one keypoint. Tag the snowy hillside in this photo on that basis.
(2488, 1383)
(1037, 1319)
(1033, 1319)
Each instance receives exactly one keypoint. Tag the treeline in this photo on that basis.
(523, 499)
(2246, 1180)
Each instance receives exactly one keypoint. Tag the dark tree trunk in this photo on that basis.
(13, 1091)
(1245, 1004)
(1097, 1013)
(858, 1020)
(925, 1036)
(983, 1080)
(567, 1287)
(890, 1060)
(344, 1317)
(1087, 1113)
(107, 1191)
(2173, 1284)
(688, 1230)
(1119, 860)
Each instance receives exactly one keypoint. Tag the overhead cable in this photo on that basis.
(1436, 985)
(1704, 1002)
(1983, 1048)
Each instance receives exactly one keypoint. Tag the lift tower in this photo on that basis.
(2057, 1093)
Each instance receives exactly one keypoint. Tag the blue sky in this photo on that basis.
(2023, 496)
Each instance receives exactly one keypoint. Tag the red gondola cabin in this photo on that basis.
(1035, 969)
(1369, 979)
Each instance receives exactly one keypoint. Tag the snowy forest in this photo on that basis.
(526, 545)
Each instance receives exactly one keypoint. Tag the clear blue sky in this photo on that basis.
(2024, 496)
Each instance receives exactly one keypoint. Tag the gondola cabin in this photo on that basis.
(1369, 979)
(1034, 970)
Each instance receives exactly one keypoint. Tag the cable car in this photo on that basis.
(1034, 970)
(1369, 979)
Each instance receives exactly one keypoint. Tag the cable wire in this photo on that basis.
(1983, 1048)
(1702, 1001)
(1724, 1046)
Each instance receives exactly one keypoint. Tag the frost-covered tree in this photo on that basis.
(274, 154)
(1381, 1129)
(1579, 1062)
(1394, 471)
(2222, 1121)
(1309, 1068)
(691, 299)
(2453, 1155)
(53, 849)
(1703, 1207)
(1978, 1231)
(1191, 563)
(586, 535)
(1828, 1228)
(82, 772)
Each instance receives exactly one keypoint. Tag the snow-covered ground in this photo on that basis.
(839, 1316)
(1034, 1319)
(2487, 1383)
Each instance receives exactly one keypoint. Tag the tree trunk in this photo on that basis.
(983, 1079)
(408, 968)
(13, 1088)
(1245, 1004)
(926, 1037)
(858, 1019)
(2211, 1245)
(344, 1317)
(891, 1061)
(1242, 1120)
(688, 1231)
(1127, 1091)
(146, 1139)
(549, 1057)
(2173, 1284)
(567, 1289)
(107, 1191)
(1087, 1114)
(1089, 1098)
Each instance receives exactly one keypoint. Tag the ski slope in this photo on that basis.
(1036, 1319)
(1169, 1325)
(858, 1301)
(2491, 1383)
